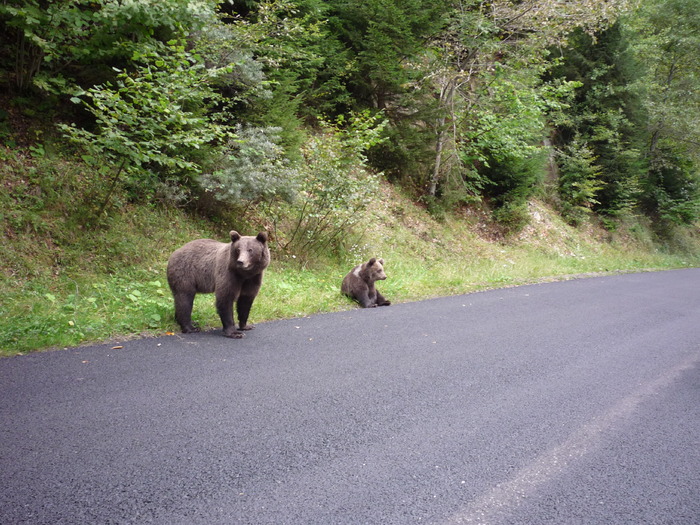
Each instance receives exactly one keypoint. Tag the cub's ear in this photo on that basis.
(234, 235)
(381, 261)
(262, 237)
(372, 261)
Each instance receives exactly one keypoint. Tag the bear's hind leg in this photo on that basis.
(365, 299)
(381, 300)
(183, 311)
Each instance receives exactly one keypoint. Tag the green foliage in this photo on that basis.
(152, 118)
(334, 190)
(579, 181)
(479, 102)
(673, 187)
(37, 185)
(222, 106)
(469, 90)
(507, 120)
(665, 41)
(304, 64)
(252, 168)
(512, 181)
(56, 45)
(503, 143)
(604, 115)
(502, 135)
(85, 311)
(384, 44)
(384, 37)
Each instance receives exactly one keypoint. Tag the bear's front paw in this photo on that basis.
(246, 327)
(190, 329)
(386, 303)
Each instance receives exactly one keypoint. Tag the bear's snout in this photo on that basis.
(245, 259)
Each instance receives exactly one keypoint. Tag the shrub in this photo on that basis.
(335, 188)
(578, 180)
(152, 120)
(512, 181)
(253, 168)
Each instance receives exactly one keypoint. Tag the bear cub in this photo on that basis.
(232, 271)
(359, 283)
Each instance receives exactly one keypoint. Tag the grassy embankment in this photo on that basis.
(66, 285)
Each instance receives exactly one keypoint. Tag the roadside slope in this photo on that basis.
(64, 285)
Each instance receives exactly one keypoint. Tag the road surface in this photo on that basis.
(573, 402)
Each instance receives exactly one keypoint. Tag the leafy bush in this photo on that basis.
(672, 187)
(334, 189)
(578, 180)
(45, 38)
(512, 181)
(154, 118)
(605, 114)
(252, 168)
(513, 215)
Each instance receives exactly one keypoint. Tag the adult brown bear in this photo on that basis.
(359, 283)
(233, 271)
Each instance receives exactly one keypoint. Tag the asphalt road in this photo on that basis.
(575, 402)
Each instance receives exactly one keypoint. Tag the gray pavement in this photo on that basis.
(575, 402)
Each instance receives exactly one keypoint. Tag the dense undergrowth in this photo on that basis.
(67, 284)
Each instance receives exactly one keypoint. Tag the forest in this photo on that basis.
(221, 103)
(290, 114)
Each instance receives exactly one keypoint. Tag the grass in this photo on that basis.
(74, 287)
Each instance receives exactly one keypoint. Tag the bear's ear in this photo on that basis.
(381, 261)
(262, 237)
(372, 261)
(234, 235)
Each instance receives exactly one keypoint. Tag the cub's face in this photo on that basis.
(250, 254)
(375, 269)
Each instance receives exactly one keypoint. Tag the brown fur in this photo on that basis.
(232, 271)
(359, 283)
